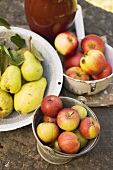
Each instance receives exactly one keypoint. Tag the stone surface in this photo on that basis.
(18, 148)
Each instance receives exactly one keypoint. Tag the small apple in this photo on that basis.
(92, 42)
(69, 142)
(106, 72)
(68, 119)
(81, 111)
(73, 60)
(66, 43)
(46, 118)
(51, 105)
(83, 141)
(47, 132)
(77, 73)
(89, 127)
(56, 145)
(93, 63)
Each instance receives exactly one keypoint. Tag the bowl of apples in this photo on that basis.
(88, 64)
(64, 128)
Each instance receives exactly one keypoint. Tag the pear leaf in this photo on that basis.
(36, 53)
(16, 58)
(16, 39)
(3, 59)
(4, 23)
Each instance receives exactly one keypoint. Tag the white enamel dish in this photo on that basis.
(52, 71)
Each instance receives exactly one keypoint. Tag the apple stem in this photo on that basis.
(83, 61)
(70, 114)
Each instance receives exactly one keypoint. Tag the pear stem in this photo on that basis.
(29, 43)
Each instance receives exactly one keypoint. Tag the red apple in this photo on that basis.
(106, 72)
(89, 127)
(68, 119)
(68, 142)
(46, 118)
(93, 63)
(77, 73)
(92, 42)
(73, 60)
(51, 105)
(47, 132)
(66, 43)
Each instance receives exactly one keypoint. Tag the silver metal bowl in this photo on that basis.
(55, 157)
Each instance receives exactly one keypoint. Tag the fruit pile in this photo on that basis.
(22, 84)
(85, 63)
(65, 129)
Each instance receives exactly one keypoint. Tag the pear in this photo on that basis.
(11, 79)
(31, 68)
(6, 104)
(30, 96)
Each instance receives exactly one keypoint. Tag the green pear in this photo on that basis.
(31, 68)
(82, 139)
(6, 104)
(11, 79)
(30, 96)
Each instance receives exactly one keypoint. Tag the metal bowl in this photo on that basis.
(52, 71)
(93, 86)
(55, 157)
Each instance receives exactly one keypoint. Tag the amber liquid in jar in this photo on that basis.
(49, 17)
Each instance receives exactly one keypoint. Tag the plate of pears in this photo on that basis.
(30, 69)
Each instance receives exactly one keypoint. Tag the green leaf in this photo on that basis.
(3, 59)
(16, 58)
(16, 39)
(4, 23)
(36, 53)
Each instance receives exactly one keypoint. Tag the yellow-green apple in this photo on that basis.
(56, 145)
(47, 132)
(66, 43)
(69, 142)
(81, 111)
(106, 72)
(73, 60)
(46, 118)
(89, 127)
(51, 105)
(77, 73)
(92, 42)
(83, 141)
(93, 62)
(68, 119)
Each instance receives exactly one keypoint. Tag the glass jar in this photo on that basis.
(49, 17)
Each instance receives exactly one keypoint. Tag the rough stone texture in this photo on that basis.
(18, 148)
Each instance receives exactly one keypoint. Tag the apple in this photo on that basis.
(73, 60)
(81, 111)
(47, 132)
(89, 127)
(56, 145)
(77, 73)
(69, 142)
(66, 43)
(93, 62)
(46, 118)
(68, 119)
(51, 105)
(106, 72)
(92, 42)
(83, 141)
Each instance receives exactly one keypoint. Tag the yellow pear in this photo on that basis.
(31, 68)
(11, 79)
(6, 104)
(30, 96)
